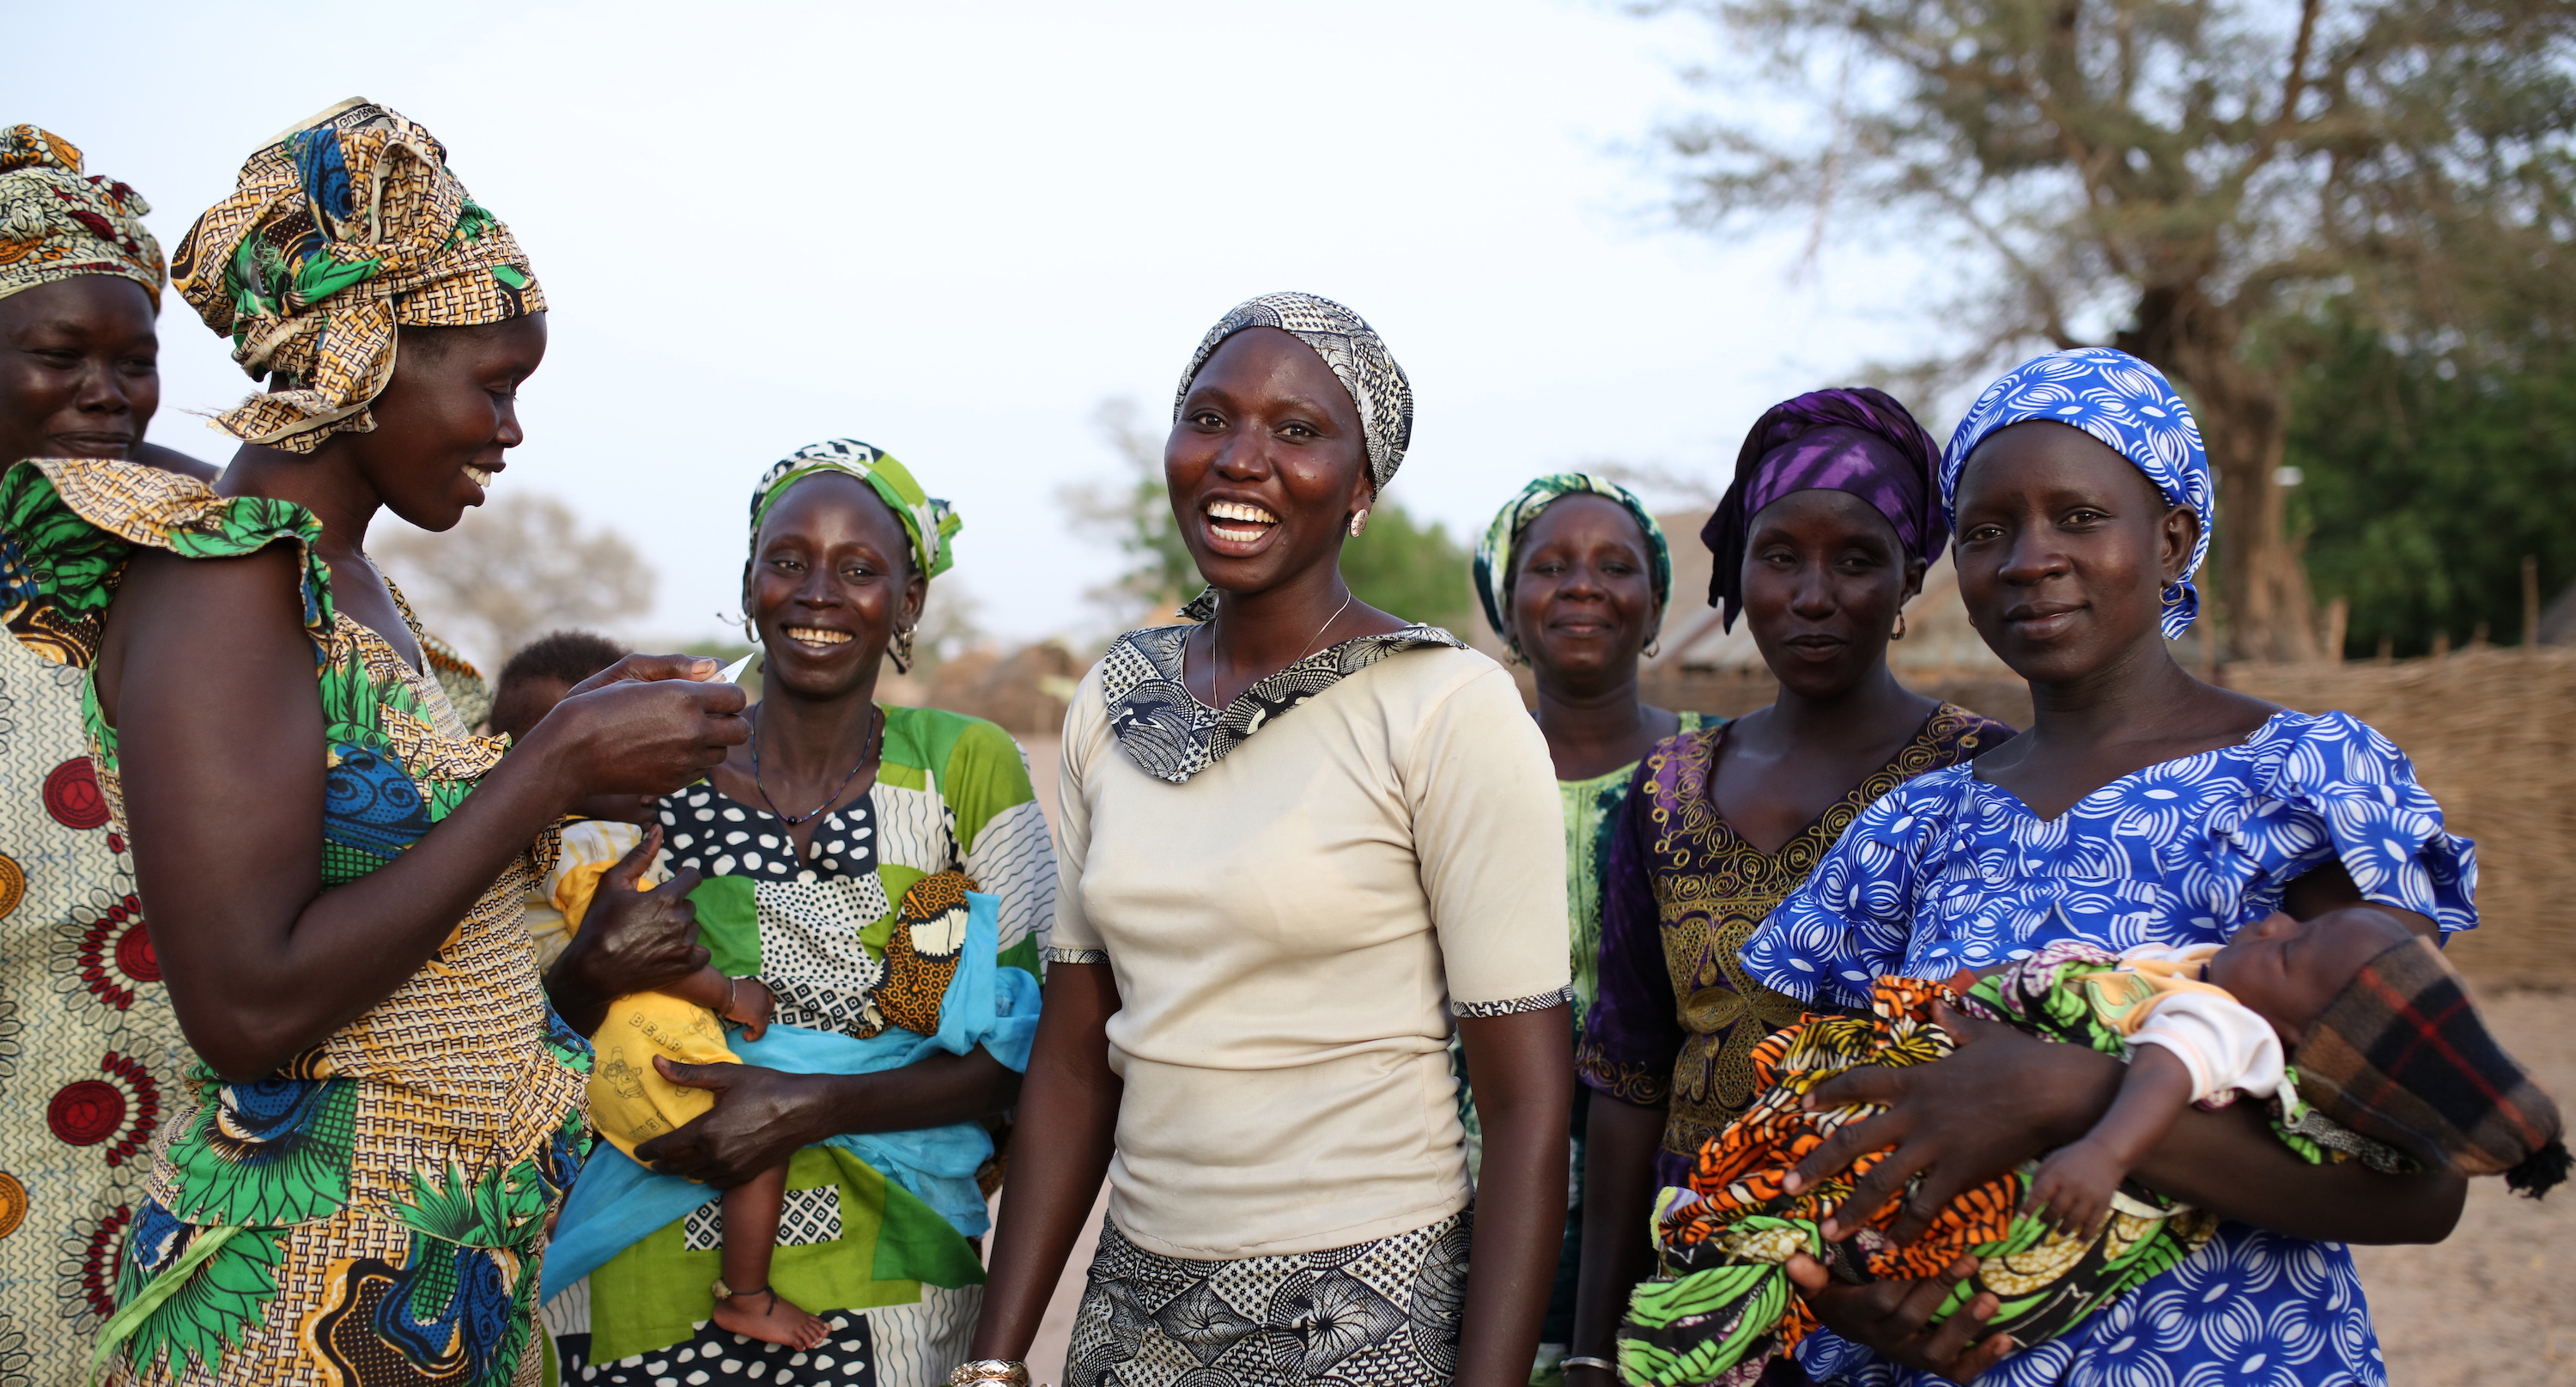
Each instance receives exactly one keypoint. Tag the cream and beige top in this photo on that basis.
(1292, 901)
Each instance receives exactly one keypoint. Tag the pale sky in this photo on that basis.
(951, 230)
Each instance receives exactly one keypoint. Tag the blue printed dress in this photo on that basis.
(1949, 872)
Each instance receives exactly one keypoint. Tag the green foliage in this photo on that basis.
(2427, 476)
(1411, 570)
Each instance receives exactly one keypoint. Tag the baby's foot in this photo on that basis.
(771, 1318)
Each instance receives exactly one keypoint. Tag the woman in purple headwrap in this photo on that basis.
(1834, 515)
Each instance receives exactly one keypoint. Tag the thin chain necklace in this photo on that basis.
(876, 735)
(1185, 649)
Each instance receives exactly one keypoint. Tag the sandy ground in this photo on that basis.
(2497, 1302)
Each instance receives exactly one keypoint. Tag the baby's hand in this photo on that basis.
(2072, 1191)
(751, 1008)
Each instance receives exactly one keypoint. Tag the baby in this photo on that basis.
(2351, 998)
(629, 1102)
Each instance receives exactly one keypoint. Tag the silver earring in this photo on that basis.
(1359, 522)
(750, 633)
(901, 649)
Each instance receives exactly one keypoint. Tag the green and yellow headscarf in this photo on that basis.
(927, 520)
(1493, 568)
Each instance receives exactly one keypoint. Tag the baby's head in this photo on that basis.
(536, 679)
(2385, 1041)
(2288, 971)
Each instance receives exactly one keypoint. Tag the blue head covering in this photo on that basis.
(2125, 403)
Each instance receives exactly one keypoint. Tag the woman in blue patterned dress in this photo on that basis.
(2142, 806)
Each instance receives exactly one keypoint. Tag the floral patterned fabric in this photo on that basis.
(1949, 872)
(378, 1200)
(56, 222)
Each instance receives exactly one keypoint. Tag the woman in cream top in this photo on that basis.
(1299, 836)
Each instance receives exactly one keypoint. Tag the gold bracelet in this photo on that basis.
(1009, 1372)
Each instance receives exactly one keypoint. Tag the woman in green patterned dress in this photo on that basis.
(385, 1109)
(1575, 575)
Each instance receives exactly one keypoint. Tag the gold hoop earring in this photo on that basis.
(750, 633)
(1899, 633)
(1359, 522)
(1654, 647)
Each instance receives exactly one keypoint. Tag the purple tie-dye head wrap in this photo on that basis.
(1858, 440)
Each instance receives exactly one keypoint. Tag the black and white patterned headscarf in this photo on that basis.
(1349, 347)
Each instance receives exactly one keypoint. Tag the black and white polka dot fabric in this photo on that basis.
(718, 1358)
(703, 828)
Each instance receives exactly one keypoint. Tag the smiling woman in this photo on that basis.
(80, 285)
(1300, 837)
(331, 864)
(884, 874)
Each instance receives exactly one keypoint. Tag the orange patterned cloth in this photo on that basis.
(1722, 1304)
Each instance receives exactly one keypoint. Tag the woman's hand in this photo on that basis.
(646, 725)
(761, 1117)
(1886, 1317)
(2000, 1099)
(631, 939)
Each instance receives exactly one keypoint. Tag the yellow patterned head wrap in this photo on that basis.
(55, 223)
(340, 230)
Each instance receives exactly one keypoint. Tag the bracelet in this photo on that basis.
(1008, 1371)
(730, 984)
(1603, 1364)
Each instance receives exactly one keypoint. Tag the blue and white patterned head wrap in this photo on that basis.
(2125, 403)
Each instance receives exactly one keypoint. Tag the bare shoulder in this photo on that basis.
(190, 621)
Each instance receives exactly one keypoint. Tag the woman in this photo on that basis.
(96, 1043)
(817, 841)
(1292, 831)
(356, 1188)
(2143, 806)
(1819, 543)
(1574, 576)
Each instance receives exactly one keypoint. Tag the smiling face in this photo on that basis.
(2289, 971)
(1266, 463)
(2064, 549)
(1824, 577)
(829, 581)
(1582, 597)
(79, 368)
(444, 420)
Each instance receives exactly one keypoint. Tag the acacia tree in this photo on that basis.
(2190, 180)
(516, 568)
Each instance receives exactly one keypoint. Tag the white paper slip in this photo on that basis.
(732, 673)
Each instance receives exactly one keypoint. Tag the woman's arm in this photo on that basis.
(2005, 1097)
(1524, 1083)
(1618, 1198)
(763, 1116)
(209, 682)
(631, 940)
(1070, 1103)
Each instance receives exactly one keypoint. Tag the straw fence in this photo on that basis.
(2491, 731)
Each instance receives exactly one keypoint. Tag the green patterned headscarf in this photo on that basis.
(927, 520)
(1494, 551)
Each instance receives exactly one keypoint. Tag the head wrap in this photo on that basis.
(2128, 405)
(2402, 1057)
(55, 223)
(336, 232)
(927, 521)
(1493, 566)
(1353, 352)
(1858, 440)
